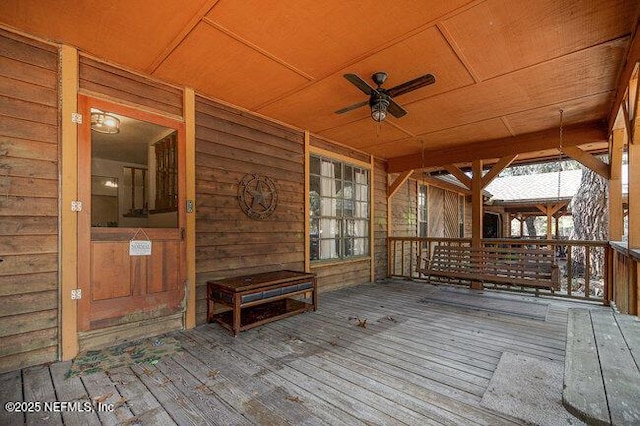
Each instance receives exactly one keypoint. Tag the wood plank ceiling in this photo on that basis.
(504, 69)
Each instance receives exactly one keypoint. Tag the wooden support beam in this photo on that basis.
(307, 207)
(459, 174)
(372, 213)
(190, 181)
(476, 209)
(634, 195)
(68, 277)
(616, 222)
(577, 134)
(400, 180)
(587, 160)
(502, 164)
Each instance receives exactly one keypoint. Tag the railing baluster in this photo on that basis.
(587, 270)
(569, 269)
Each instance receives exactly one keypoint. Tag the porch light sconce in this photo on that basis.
(379, 107)
(103, 122)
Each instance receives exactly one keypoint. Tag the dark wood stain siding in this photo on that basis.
(28, 202)
(104, 79)
(229, 145)
(380, 218)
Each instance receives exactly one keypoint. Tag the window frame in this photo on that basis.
(360, 215)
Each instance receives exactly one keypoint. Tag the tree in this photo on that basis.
(590, 220)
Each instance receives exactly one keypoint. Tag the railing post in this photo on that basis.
(608, 275)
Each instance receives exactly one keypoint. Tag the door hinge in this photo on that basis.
(183, 233)
(76, 117)
(76, 294)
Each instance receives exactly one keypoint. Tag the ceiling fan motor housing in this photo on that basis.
(379, 78)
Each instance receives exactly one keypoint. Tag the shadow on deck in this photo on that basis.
(428, 355)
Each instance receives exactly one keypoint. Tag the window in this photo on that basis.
(339, 209)
(423, 230)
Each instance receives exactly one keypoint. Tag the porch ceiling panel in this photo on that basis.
(431, 53)
(496, 38)
(587, 108)
(362, 135)
(129, 33)
(503, 68)
(222, 66)
(320, 37)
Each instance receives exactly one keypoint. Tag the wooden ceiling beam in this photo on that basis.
(400, 180)
(459, 174)
(633, 57)
(588, 160)
(577, 134)
(502, 164)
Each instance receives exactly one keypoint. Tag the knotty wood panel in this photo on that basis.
(229, 145)
(104, 79)
(28, 201)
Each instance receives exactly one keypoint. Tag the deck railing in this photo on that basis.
(625, 272)
(584, 268)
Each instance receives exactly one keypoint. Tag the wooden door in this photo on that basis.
(126, 195)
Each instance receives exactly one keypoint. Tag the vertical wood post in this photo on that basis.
(476, 210)
(616, 222)
(634, 220)
(521, 220)
(549, 223)
(68, 273)
(307, 208)
(372, 219)
(190, 183)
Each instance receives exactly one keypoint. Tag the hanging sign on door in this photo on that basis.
(140, 247)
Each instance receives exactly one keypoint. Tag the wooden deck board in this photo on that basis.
(583, 387)
(38, 387)
(71, 389)
(413, 364)
(11, 390)
(619, 371)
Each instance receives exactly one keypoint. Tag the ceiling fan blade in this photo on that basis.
(352, 107)
(411, 85)
(395, 109)
(359, 83)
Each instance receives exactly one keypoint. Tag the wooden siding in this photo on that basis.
(229, 145)
(117, 84)
(436, 212)
(346, 151)
(404, 209)
(343, 274)
(380, 219)
(28, 202)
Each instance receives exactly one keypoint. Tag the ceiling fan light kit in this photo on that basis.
(380, 99)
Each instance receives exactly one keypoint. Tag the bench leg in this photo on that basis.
(236, 316)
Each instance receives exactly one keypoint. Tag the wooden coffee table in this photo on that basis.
(261, 298)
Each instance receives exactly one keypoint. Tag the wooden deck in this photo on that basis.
(426, 356)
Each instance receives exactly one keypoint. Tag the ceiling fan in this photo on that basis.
(381, 99)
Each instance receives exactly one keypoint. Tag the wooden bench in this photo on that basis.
(260, 298)
(511, 266)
